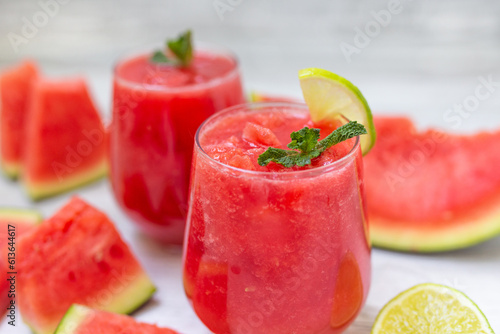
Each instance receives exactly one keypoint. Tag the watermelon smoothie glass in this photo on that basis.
(274, 249)
(156, 111)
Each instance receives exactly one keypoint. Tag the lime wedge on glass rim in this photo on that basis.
(330, 96)
(431, 309)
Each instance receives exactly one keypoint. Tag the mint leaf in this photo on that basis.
(306, 142)
(181, 49)
(278, 155)
(286, 158)
(304, 139)
(346, 131)
(159, 57)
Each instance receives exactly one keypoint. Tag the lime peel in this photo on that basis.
(431, 308)
(330, 96)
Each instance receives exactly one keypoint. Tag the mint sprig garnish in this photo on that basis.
(181, 50)
(305, 145)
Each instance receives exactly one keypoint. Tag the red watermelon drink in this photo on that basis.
(271, 249)
(157, 108)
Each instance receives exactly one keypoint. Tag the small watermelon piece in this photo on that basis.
(348, 297)
(23, 221)
(431, 191)
(77, 256)
(15, 90)
(82, 320)
(210, 296)
(260, 135)
(65, 139)
(242, 161)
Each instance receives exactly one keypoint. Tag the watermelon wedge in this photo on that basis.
(77, 256)
(82, 320)
(23, 221)
(65, 139)
(431, 191)
(15, 90)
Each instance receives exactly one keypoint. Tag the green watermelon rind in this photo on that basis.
(41, 190)
(11, 170)
(402, 238)
(255, 96)
(24, 216)
(21, 215)
(143, 289)
(75, 315)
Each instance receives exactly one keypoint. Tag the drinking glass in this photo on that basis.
(275, 252)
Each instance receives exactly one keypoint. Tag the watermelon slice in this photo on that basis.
(77, 256)
(15, 89)
(431, 191)
(23, 221)
(65, 138)
(82, 320)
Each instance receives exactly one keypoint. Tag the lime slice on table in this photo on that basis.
(329, 96)
(431, 309)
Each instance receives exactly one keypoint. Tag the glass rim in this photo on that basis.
(337, 164)
(197, 46)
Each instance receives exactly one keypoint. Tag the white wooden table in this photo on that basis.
(475, 271)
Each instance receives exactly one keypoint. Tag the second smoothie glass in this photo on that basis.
(156, 111)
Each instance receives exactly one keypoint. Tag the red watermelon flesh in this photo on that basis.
(430, 190)
(82, 320)
(77, 256)
(23, 221)
(65, 138)
(15, 90)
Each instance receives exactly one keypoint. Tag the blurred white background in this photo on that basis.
(437, 49)
(421, 60)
